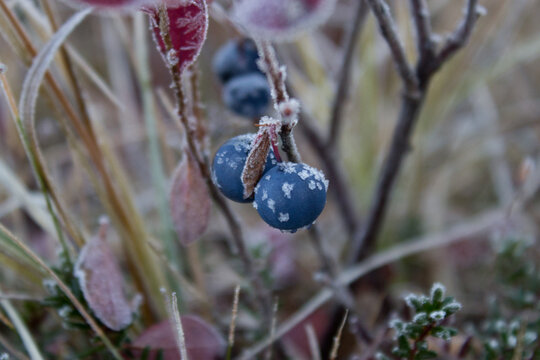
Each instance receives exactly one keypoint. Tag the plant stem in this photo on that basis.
(421, 337)
(344, 77)
(265, 307)
(415, 84)
(400, 145)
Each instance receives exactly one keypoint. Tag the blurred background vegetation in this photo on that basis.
(480, 122)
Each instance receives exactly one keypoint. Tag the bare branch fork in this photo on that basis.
(415, 83)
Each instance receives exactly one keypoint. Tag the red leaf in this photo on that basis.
(278, 20)
(188, 24)
(101, 282)
(203, 342)
(189, 201)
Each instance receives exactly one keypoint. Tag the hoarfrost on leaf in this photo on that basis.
(101, 282)
(281, 20)
(437, 292)
(437, 315)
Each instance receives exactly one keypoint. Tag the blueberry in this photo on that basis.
(247, 95)
(291, 196)
(228, 164)
(237, 57)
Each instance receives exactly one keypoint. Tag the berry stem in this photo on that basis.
(264, 306)
(275, 148)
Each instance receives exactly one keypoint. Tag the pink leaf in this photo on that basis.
(101, 282)
(188, 24)
(278, 20)
(203, 342)
(189, 201)
(112, 4)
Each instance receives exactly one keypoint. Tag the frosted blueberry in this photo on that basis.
(228, 164)
(247, 95)
(237, 57)
(295, 204)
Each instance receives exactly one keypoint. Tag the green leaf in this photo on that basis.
(425, 354)
(437, 292)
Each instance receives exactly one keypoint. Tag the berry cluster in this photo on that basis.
(289, 196)
(245, 88)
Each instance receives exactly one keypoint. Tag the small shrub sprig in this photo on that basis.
(430, 313)
(513, 326)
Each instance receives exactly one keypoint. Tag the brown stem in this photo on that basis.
(388, 30)
(344, 77)
(420, 338)
(411, 104)
(364, 241)
(334, 171)
(265, 307)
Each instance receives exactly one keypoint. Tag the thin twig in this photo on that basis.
(334, 172)
(461, 35)
(424, 39)
(314, 347)
(232, 325)
(337, 338)
(388, 30)
(268, 355)
(365, 240)
(344, 77)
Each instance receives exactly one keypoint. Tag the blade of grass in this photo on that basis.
(117, 200)
(156, 161)
(22, 330)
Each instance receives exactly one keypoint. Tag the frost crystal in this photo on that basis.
(437, 315)
(493, 344)
(421, 318)
(288, 168)
(304, 174)
(172, 58)
(283, 217)
(287, 188)
(271, 205)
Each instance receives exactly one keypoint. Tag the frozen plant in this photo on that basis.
(428, 319)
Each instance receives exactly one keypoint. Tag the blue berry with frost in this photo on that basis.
(228, 164)
(247, 95)
(237, 57)
(291, 196)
